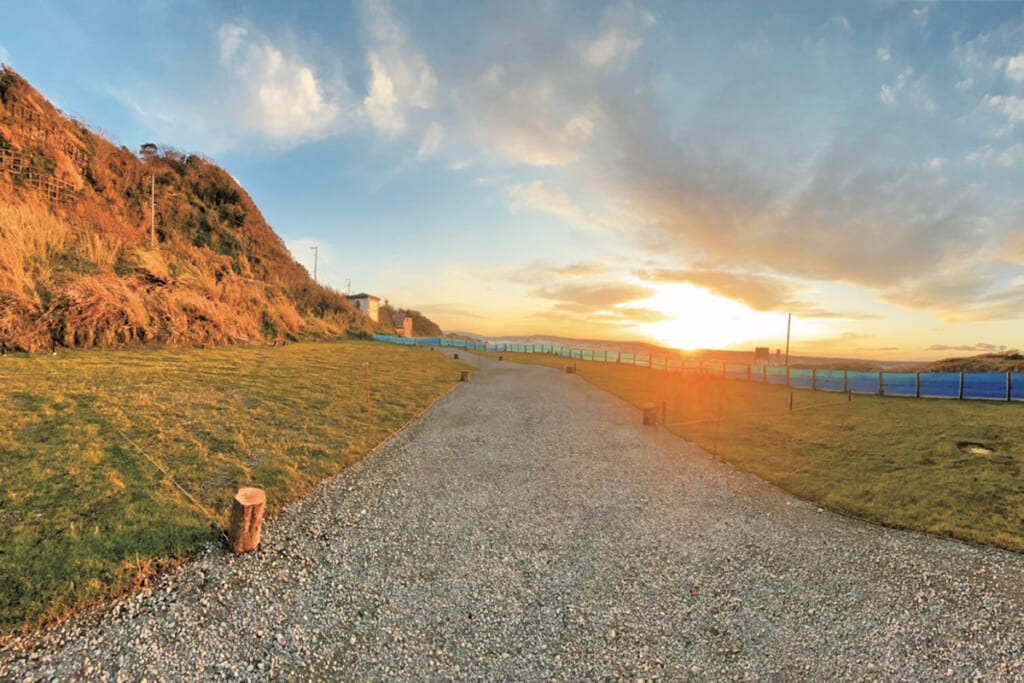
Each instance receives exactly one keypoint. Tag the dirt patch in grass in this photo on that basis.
(975, 448)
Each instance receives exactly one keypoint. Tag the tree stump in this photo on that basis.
(246, 519)
(650, 414)
(464, 377)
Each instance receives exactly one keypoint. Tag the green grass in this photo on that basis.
(893, 461)
(84, 515)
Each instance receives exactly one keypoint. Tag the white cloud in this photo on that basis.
(542, 196)
(909, 90)
(1015, 67)
(623, 26)
(400, 77)
(431, 140)
(840, 21)
(278, 95)
(883, 54)
(1011, 105)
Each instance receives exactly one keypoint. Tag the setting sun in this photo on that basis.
(697, 319)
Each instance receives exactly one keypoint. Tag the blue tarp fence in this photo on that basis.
(967, 385)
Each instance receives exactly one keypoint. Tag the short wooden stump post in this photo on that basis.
(455, 356)
(570, 369)
(246, 519)
(650, 414)
(501, 357)
(464, 377)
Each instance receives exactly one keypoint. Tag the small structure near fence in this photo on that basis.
(1008, 386)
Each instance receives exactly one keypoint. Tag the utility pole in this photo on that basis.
(789, 320)
(152, 211)
(316, 254)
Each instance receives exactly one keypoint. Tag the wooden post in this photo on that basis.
(246, 519)
(961, 396)
(846, 380)
(881, 385)
(1008, 386)
(650, 417)
(814, 379)
(917, 385)
(455, 356)
(570, 370)
(787, 379)
(464, 377)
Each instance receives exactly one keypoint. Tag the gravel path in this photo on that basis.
(528, 528)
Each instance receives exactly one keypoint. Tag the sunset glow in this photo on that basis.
(697, 319)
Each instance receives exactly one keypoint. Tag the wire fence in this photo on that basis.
(1002, 386)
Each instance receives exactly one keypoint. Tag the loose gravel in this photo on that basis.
(528, 527)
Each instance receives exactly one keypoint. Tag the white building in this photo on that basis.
(367, 304)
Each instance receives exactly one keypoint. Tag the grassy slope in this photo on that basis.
(893, 461)
(84, 272)
(83, 515)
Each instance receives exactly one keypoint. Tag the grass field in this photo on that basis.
(84, 514)
(894, 461)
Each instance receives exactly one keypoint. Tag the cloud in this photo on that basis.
(531, 123)
(400, 77)
(589, 296)
(1010, 105)
(760, 292)
(542, 196)
(276, 95)
(980, 346)
(431, 140)
(1015, 67)
(882, 54)
(840, 21)
(623, 27)
(908, 89)
(964, 293)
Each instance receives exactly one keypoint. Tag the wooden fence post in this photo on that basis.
(961, 396)
(814, 379)
(1008, 386)
(917, 385)
(881, 384)
(246, 519)
(787, 382)
(846, 380)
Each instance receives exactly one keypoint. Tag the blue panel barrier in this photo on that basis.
(734, 371)
(776, 374)
(863, 382)
(800, 378)
(940, 384)
(830, 380)
(985, 385)
(899, 383)
(1017, 386)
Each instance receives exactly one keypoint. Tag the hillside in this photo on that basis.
(1010, 361)
(422, 326)
(79, 266)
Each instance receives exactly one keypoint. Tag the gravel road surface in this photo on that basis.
(527, 527)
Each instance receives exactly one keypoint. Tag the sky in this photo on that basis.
(687, 173)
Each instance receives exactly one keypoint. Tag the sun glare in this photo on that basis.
(697, 319)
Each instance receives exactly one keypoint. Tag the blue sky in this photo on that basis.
(681, 171)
